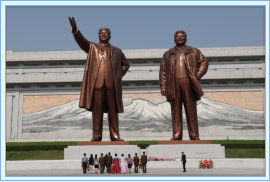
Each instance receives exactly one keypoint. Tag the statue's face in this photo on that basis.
(104, 36)
(180, 39)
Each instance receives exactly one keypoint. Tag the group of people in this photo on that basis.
(114, 164)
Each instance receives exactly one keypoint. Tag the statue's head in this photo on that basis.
(180, 37)
(104, 35)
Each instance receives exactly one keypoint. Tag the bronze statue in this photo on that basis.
(180, 71)
(102, 82)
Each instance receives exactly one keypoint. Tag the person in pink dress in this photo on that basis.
(123, 164)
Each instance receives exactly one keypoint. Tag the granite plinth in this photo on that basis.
(192, 151)
(76, 152)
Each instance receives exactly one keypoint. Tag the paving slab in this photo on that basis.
(150, 172)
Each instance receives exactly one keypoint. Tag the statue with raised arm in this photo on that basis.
(180, 71)
(102, 82)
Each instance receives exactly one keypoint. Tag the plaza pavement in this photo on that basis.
(150, 172)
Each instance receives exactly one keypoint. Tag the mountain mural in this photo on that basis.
(153, 115)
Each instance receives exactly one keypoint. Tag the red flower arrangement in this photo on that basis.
(206, 164)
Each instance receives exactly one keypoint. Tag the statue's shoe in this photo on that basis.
(117, 139)
(172, 139)
(95, 140)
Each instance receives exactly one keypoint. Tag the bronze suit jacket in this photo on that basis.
(196, 65)
(119, 66)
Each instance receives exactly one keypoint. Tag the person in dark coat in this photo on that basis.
(136, 162)
(105, 159)
(144, 161)
(101, 90)
(109, 162)
(183, 159)
(101, 163)
(91, 163)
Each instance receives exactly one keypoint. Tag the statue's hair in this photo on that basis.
(180, 31)
(107, 29)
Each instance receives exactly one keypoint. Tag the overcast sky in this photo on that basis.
(46, 28)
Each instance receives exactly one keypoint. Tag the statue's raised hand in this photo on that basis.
(73, 23)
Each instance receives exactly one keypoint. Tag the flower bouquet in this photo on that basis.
(206, 164)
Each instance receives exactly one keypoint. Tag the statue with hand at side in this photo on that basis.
(180, 71)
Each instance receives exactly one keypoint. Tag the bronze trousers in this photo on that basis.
(184, 94)
(104, 97)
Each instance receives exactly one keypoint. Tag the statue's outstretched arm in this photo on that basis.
(79, 38)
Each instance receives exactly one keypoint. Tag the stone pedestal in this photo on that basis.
(76, 152)
(201, 149)
(192, 151)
